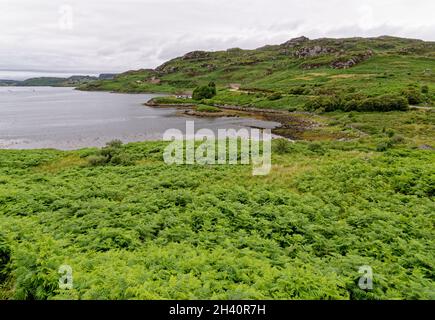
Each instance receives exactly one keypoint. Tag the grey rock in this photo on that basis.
(295, 42)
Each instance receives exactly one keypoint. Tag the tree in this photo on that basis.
(205, 92)
(212, 85)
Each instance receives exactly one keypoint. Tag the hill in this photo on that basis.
(292, 73)
(72, 81)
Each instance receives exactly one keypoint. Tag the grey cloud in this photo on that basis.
(114, 36)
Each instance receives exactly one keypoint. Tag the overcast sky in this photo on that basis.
(97, 36)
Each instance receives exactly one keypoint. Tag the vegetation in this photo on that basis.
(381, 103)
(206, 108)
(290, 75)
(152, 231)
(5, 256)
(205, 92)
(356, 188)
(112, 153)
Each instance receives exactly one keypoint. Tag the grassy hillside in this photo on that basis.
(137, 228)
(298, 70)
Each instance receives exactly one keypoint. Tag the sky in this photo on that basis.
(47, 37)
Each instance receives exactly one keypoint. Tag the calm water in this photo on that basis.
(64, 118)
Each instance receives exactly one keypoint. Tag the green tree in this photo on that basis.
(205, 92)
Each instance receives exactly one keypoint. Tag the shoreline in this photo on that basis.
(291, 123)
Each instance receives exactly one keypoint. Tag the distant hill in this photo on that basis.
(296, 69)
(8, 82)
(107, 76)
(72, 81)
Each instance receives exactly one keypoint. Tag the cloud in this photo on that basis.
(95, 36)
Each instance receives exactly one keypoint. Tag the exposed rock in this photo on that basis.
(295, 42)
(235, 86)
(76, 80)
(166, 68)
(196, 55)
(350, 62)
(425, 147)
(307, 52)
(154, 80)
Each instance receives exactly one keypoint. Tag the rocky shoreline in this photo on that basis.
(292, 124)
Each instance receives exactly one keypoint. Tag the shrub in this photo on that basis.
(425, 89)
(327, 103)
(110, 154)
(212, 85)
(274, 96)
(383, 146)
(413, 96)
(396, 139)
(281, 146)
(299, 90)
(383, 103)
(114, 144)
(204, 92)
(390, 132)
(316, 147)
(351, 105)
(122, 160)
(205, 108)
(97, 160)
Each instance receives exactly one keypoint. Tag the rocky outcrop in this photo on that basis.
(295, 42)
(353, 60)
(167, 68)
(196, 55)
(307, 52)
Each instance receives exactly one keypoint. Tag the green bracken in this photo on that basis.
(153, 231)
(356, 189)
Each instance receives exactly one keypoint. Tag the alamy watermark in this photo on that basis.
(255, 147)
(66, 17)
(66, 277)
(366, 280)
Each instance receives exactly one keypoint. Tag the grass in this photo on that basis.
(206, 108)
